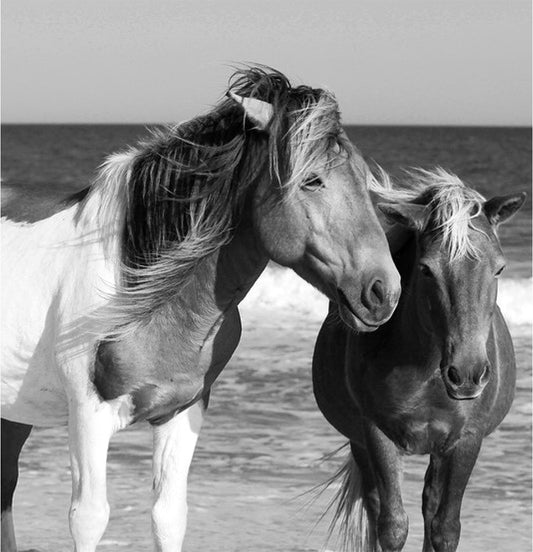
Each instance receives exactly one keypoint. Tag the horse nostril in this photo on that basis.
(482, 376)
(377, 292)
(454, 376)
(374, 295)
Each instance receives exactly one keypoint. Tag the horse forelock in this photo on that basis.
(313, 135)
(452, 205)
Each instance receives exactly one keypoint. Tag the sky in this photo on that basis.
(392, 62)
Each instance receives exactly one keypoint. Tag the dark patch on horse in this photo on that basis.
(76, 197)
(23, 204)
(14, 436)
(107, 380)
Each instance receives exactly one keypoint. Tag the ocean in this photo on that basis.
(265, 446)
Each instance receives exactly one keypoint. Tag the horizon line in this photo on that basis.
(147, 124)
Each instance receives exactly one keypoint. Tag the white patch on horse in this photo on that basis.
(9, 543)
(65, 269)
(174, 444)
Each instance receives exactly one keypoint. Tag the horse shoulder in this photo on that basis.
(166, 367)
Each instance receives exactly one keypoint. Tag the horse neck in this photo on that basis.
(237, 266)
(220, 283)
(412, 329)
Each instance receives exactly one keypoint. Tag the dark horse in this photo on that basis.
(124, 306)
(436, 379)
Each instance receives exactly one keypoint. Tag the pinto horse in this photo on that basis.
(436, 379)
(123, 306)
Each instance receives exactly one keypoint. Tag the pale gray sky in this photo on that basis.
(388, 61)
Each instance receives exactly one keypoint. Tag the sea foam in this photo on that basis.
(515, 298)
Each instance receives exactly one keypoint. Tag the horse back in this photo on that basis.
(30, 203)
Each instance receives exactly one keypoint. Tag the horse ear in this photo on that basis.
(258, 111)
(410, 215)
(500, 208)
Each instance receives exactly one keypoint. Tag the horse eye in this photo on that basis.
(425, 270)
(313, 183)
(499, 271)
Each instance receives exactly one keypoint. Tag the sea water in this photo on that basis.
(265, 446)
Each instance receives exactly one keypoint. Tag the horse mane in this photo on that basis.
(452, 205)
(177, 197)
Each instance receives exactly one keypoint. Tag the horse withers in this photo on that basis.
(435, 379)
(124, 306)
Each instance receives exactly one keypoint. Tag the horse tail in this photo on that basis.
(350, 515)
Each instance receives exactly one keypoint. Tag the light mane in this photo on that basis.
(177, 198)
(452, 205)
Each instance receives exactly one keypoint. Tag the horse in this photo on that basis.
(435, 379)
(122, 306)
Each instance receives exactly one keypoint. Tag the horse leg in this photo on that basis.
(92, 422)
(431, 499)
(174, 444)
(14, 436)
(454, 473)
(392, 522)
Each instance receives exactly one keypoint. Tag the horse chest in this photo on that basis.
(416, 413)
(166, 375)
(433, 433)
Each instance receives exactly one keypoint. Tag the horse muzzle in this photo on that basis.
(465, 384)
(373, 307)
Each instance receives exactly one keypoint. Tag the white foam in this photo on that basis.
(283, 291)
(515, 298)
